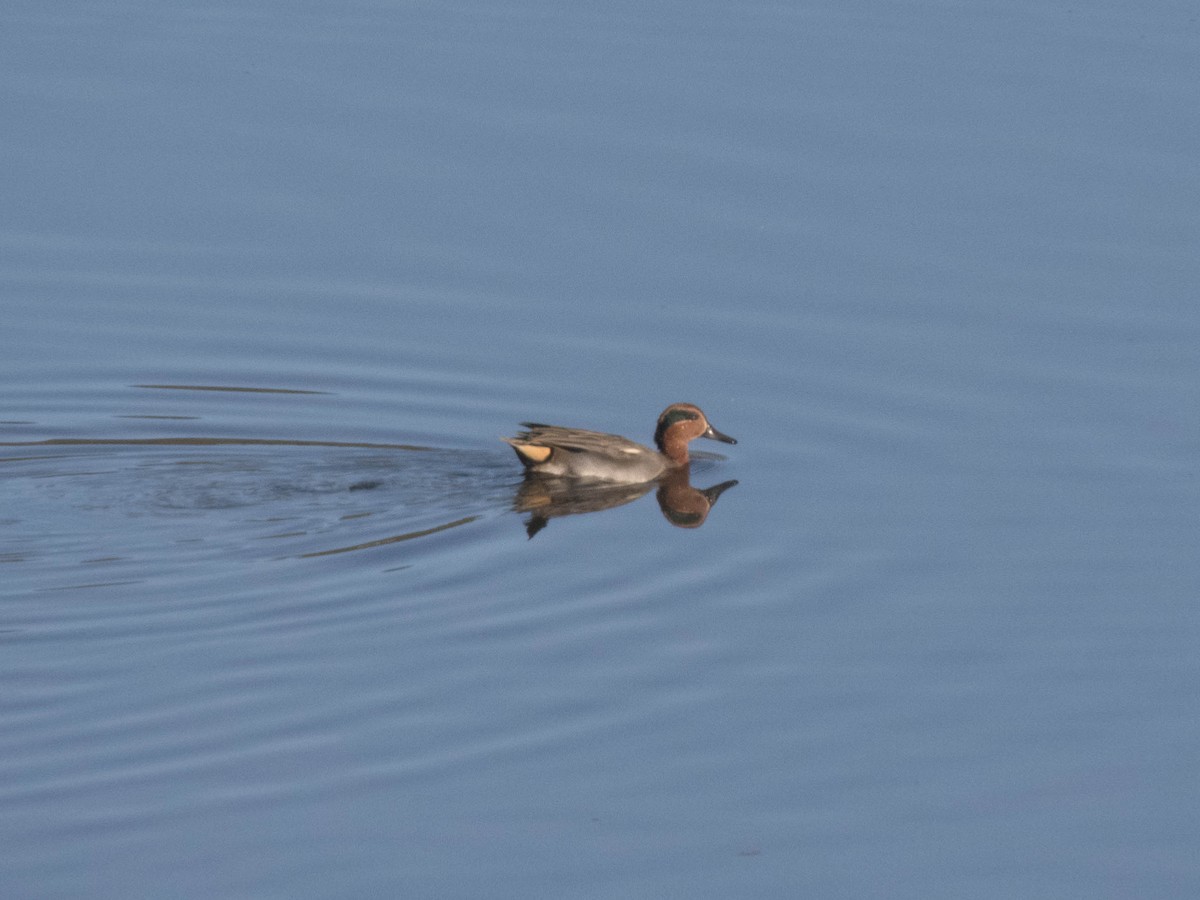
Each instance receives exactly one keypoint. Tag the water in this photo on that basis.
(274, 281)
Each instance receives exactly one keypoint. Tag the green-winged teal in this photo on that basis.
(575, 453)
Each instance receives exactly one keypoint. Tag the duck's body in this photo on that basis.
(576, 453)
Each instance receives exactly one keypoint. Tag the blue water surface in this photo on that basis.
(274, 280)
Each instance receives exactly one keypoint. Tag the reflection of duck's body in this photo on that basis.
(576, 453)
(547, 497)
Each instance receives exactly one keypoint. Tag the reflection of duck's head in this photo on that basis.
(577, 453)
(685, 506)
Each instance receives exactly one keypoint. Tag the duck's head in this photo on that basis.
(680, 423)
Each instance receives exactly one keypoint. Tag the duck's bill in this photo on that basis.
(718, 436)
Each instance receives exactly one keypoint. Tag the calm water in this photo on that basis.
(274, 281)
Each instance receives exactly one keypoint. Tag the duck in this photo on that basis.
(577, 453)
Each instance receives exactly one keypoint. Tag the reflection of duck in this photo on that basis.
(575, 453)
(548, 497)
